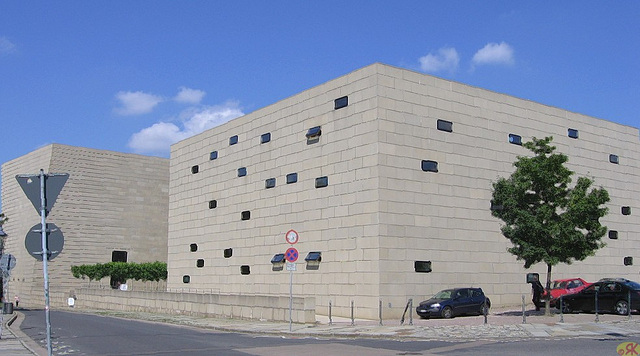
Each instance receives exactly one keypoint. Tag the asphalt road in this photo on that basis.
(92, 335)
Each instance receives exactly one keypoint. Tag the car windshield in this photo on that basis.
(633, 285)
(560, 284)
(445, 294)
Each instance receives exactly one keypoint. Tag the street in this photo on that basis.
(76, 333)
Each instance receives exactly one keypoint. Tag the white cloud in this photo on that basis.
(446, 59)
(494, 53)
(189, 96)
(136, 103)
(158, 138)
(6, 46)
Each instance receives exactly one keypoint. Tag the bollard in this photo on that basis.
(524, 315)
(380, 311)
(561, 312)
(411, 311)
(352, 320)
(330, 320)
(485, 310)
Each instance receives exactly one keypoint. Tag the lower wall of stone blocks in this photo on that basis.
(255, 307)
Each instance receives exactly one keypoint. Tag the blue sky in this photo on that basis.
(137, 76)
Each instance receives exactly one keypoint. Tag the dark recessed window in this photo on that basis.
(213, 155)
(119, 256)
(573, 133)
(265, 137)
(186, 278)
(445, 125)
(313, 135)
(278, 258)
(292, 178)
(614, 159)
(340, 102)
(270, 183)
(195, 169)
(228, 252)
(233, 140)
(242, 172)
(245, 269)
(515, 139)
(422, 266)
(245, 215)
(628, 261)
(322, 182)
(613, 234)
(213, 204)
(314, 256)
(193, 247)
(626, 210)
(430, 166)
(200, 263)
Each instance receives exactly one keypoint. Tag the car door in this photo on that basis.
(608, 295)
(585, 300)
(463, 301)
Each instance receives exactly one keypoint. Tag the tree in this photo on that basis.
(3, 236)
(545, 219)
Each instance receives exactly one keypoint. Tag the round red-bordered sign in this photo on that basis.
(291, 236)
(291, 255)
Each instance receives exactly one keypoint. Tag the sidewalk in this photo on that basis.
(503, 325)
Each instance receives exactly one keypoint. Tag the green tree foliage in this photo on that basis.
(545, 219)
(3, 219)
(122, 271)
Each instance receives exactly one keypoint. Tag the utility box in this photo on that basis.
(532, 277)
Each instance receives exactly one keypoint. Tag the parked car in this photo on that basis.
(563, 287)
(453, 302)
(613, 296)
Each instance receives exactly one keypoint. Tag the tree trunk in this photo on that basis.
(547, 302)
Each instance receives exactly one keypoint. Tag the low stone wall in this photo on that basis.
(258, 307)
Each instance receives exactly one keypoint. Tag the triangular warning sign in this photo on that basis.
(53, 183)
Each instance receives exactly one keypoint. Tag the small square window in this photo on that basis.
(233, 140)
(200, 263)
(193, 247)
(614, 159)
(213, 155)
(340, 102)
(292, 178)
(245, 215)
(626, 210)
(322, 182)
(430, 166)
(186, 278)
(445, 125)
(245, 269)
(628, 261)
(278, 258)
(195, 169)
(228, 252)
(313, 260)
(265, 137)
(613, 234)
(270, 183)
(314, 131)
(242, 172)
(422, 266)
(515, 139)
(213, 204)
(119, 256)
(573, 133)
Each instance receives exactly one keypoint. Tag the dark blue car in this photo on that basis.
(453, 302)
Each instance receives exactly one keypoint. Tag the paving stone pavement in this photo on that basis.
(504, 325)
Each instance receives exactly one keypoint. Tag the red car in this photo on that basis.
(561, 287)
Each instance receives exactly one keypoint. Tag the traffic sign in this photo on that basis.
(30, 184)
(291, 236)
(33, 241)
(291, 266)
(291, 255)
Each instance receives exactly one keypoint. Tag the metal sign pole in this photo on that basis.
(45, 257)
(290, 300)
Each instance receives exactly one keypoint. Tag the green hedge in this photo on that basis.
(122, 271)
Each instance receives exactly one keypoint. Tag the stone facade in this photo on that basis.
(380, 211)
(111, 202)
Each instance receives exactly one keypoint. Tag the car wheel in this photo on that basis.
(485, 309)
(447, 313)
(566, 308)
(622, 308)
